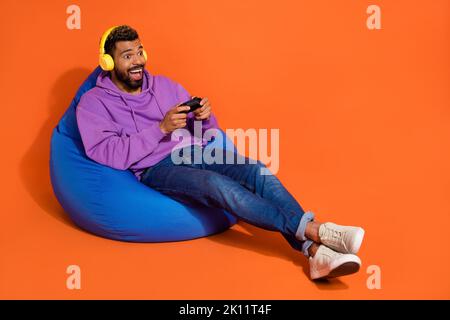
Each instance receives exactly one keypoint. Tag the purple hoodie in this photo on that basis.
(121, 130)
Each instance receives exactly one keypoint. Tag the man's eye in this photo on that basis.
(140, 53)
(127, 56)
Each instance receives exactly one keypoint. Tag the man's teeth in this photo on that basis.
(136, 71)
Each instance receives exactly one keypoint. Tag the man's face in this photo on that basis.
(129, 57)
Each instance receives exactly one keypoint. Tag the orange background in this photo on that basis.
(364, 129)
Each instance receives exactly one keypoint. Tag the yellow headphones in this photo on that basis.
(106, 62)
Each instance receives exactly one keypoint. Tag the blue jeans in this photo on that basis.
(260, 200)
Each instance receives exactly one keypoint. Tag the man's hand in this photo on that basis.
(173, 119)
(204, 112)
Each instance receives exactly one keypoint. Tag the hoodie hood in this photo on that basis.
(104, 81)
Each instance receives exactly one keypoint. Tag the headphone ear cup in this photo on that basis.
(106, 62)
(145, 54)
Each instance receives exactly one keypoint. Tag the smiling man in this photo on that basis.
(126, 122)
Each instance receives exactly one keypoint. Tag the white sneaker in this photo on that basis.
(330, 264)
(343, 239)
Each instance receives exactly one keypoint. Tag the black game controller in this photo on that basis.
(194, 104)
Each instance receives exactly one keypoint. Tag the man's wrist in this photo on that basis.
(162, 129)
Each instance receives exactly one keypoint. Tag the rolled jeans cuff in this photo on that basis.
(307, 217)
(305, 247)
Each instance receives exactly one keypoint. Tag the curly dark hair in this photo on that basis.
(121, 33)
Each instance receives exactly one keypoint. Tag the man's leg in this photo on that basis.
(190, 184)
(268, 187)
(324, 262)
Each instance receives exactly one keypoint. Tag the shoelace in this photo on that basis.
(333, 234)
(336, 235)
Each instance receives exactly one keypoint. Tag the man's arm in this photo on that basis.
(105, 143)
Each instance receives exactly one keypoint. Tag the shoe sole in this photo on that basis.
(344, 270)
(350, 264)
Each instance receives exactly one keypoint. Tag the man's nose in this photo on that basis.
(138, 60)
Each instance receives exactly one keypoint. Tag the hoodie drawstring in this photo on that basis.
(154, 96)
(132, 113)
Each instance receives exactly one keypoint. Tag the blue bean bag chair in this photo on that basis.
(113, 203)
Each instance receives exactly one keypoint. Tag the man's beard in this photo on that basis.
(125, 79)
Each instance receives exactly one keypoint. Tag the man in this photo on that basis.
(126, 123)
